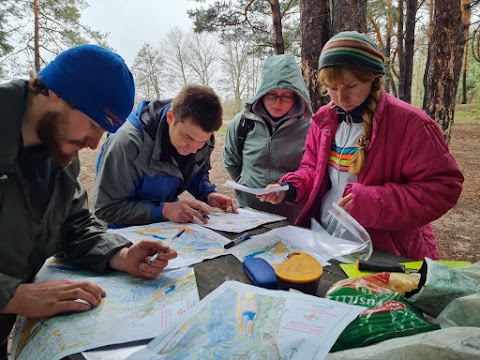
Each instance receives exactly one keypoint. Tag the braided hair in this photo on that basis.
(329, 77)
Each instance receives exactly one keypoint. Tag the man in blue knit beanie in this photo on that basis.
(44, 122)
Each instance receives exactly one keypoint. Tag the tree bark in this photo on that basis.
(447, 46)
(348, 15)
(426, 92)
(400, 50)
(388, 46)
(315, 32)
(466, 16)
(409, 50)
(277, 27)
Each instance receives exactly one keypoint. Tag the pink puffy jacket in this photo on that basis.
(409, 180)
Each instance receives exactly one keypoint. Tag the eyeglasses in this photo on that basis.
(283, 98)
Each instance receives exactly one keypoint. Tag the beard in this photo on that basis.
(49, 131)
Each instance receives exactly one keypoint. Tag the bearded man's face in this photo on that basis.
(66, 133)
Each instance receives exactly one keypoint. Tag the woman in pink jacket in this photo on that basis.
(381, 159)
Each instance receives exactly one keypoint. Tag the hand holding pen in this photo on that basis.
(155, 257)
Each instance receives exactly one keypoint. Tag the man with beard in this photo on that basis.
(44, 122)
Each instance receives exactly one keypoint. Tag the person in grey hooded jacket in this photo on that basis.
(278, 118)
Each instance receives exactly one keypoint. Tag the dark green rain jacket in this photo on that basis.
(272, 148)
(67, 226)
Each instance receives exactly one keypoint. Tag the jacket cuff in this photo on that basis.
(291, 193)
(157, 212)
(8, 286)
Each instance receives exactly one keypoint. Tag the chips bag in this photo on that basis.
(388, 316)
(383, 282)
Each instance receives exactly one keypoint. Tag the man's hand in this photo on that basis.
(215, 199)
(134, 259)
(49, 298)
(275, 197)
(185, 211)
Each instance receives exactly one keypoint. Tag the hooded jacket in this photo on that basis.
(409, 180)
(271, 148)
(28, 239)
(137, 174)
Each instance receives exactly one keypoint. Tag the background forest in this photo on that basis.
(431, 47)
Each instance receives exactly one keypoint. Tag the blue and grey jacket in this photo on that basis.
(137, 172)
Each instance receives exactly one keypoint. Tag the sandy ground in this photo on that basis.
(458, 231)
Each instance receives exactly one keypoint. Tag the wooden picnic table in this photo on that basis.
(210, 274)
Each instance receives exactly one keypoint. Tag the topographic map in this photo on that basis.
(133, 309)
(239, 321)
(246, 219)
(194, 245)
(274, 245)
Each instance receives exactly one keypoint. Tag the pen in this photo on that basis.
(155, 257)
(201, 212)
(237, 240)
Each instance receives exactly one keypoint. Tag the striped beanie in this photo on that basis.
(353, 50)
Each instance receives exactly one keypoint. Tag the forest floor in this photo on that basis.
(458, 231)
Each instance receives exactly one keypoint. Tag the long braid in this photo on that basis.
(357, 163)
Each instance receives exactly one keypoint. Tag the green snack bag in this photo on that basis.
(388, 316)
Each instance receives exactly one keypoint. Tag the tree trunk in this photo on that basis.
(446, 61)
(349, 15)
(400, 51)
(466, 15)
(409, 49)
(36, 39)
(314, 30)
(277, 27)
(388, 46)
(426, 92)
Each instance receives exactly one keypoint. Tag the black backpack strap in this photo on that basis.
(244, 127)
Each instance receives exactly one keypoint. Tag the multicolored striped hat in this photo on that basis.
(354, 50)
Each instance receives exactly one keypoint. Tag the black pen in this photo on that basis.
(203, 213)
(237, 240)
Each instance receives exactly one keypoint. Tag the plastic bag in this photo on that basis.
(344, 239)
(439, 285)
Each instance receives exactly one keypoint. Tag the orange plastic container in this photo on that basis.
(300, 271)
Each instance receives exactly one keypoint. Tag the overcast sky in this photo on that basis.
(132, 23)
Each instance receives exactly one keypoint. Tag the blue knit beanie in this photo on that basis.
(95, 81)
(352, 49)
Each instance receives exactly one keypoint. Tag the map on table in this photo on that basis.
(239, 321)
(133, 309)
(274, 245)
(246, 219)
(194, 245)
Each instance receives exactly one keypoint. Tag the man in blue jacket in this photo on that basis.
(44, 122)
(162, 150)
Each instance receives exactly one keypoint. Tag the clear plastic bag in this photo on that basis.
(344, 239)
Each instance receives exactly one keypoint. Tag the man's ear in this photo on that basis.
(170, 117)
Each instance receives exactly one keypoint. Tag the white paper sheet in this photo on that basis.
(248, 322)
(256, 191)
